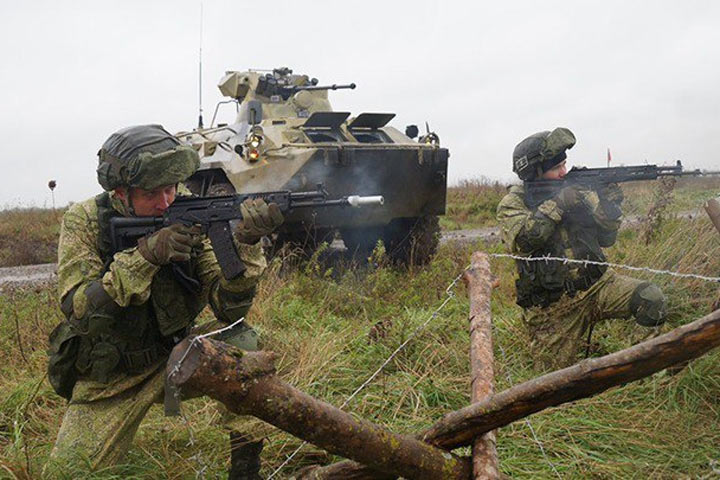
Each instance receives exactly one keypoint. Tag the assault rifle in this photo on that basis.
(214, 215)
(537, 191)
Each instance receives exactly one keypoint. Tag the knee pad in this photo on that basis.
(648, 305)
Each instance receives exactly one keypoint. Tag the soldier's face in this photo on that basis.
(148, 203)
(558, 172)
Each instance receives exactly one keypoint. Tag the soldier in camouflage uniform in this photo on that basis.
(126, 311)
(561, 301)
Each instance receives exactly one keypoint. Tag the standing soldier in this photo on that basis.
(562, 301)
(125, 312)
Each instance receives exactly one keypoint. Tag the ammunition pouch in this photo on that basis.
(64, 346)
(541, 283)
(230, 306)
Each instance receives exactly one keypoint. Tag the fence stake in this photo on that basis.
(480, 281)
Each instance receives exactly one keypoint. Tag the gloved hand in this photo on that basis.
(569, 197)
(611, 193)
(259, 219)
(170, 244)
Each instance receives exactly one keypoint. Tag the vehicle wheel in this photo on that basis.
(412, 241)
(360, 242)
(304, 243)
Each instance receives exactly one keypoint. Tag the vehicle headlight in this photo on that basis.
(255, 140)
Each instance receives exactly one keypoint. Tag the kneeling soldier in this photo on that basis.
(125, 311)
(561, 301)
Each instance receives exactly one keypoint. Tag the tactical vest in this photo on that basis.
(542, 283)
(128, 339)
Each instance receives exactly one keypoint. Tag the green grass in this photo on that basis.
(29, 235)
(334, 324)
(472, 203)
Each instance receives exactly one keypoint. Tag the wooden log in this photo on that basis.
(245, 382)
(712, 207)
(480, 280)
(582, 380)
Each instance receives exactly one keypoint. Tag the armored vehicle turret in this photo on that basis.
(286, 136)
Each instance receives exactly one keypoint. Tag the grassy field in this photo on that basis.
(29, 235)
(471, 203)
(334, 323)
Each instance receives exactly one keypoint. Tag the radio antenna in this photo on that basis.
(200, 109)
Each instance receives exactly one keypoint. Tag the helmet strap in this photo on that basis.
(129, 204)
(126, 201)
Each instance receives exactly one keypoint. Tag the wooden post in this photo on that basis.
(712, 207)
(581, 380)
(585, 379)
(480, 280)
(246, 384)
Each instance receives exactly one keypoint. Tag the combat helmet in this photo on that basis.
(144, 156)
(541, 151)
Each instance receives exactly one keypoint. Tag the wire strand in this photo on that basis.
(450, 295)
(608, 264)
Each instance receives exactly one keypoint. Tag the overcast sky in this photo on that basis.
(641, 78)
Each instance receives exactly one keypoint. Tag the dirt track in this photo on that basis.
(35, 276)
(27, 276)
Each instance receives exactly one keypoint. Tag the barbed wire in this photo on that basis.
(197, 457)
(527, 420)
(450, 294)
(565, 260)
(608, 264)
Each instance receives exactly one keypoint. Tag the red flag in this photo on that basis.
(609, 158)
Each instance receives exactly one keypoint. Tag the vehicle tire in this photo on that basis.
(303, 243)
(408, 241)
(360, 242)
(412, 241)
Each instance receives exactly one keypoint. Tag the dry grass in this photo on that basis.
(320, 317)
(471, 203)
(28, 236)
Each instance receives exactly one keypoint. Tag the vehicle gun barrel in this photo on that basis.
(334, 86)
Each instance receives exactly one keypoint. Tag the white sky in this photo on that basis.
(639, 77)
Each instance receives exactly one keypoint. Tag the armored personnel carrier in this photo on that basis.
(286, 136)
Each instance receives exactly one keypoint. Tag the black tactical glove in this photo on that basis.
(569, 197)
(611, 193)
(259, 219)
(170, 244)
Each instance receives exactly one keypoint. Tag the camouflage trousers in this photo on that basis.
(558, 332)
(102, 419)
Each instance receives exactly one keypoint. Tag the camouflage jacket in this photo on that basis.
(549, 231)
(120, 311)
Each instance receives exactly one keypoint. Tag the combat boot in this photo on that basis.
(244, 458)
